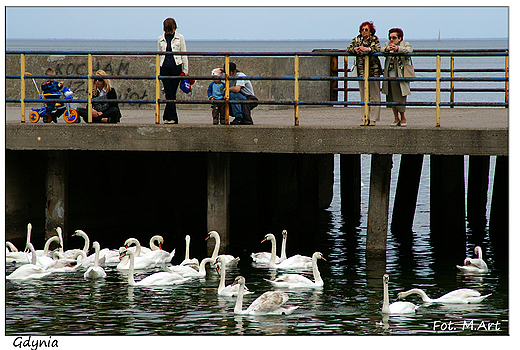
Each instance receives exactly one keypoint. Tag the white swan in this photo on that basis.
(78, 233)
(193, 262)
(269, 303)
(156, 253)
(29, 271)
(96, 271)
(294, 262)
(67, 264)
(264, 258)
(157, 279)
(398, 307)
(231, 260)
(298, 281)
(458, 296)
(14, 256)
(232, 289)
(141, 262)
(43, 257)
(477, 265)
(158, 238)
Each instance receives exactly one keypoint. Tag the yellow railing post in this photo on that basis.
(345, 83)
(22, 74)
(226, 91)
(507, 78)
(438, 93)
(296, 90)
(452, 74)
(367, 73)
(157, 88)
(89, 102)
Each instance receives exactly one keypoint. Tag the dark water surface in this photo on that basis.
(349, 303)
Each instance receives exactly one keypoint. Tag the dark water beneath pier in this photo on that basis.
(349, 303)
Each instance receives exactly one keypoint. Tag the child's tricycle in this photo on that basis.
(70, 115)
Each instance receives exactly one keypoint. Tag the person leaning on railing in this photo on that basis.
(366, 43)
(396, 91)
(102, 112)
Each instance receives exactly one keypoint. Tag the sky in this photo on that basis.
(254, 23)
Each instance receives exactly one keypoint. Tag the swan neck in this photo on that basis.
(131, 280)
(217, 246)
(34, 258)
(272, 260)
(283, 255)
(47, 245)
(187, 254)
(202, 266)
(386, 307)
(240, 297)
(421, 293)
(29, 229)
(87, 242)
(222, 283)
(96, 257)
(315, 271)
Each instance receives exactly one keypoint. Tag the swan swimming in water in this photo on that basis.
(157, 279)
(140, 262)
(231, 260)
(269, 303)
(31, 270)
(398, 307)
(156, 253)
(458, 296)
(263, 258)
(12, 255)
(193, 262)
(294, 262)
(96, 271)
(477, 265)
(291, 280)
(232, 289)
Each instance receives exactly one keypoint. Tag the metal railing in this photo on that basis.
(334, 78)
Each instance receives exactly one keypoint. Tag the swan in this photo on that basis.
(141, 262)
(458, 296)
(78, 233)
(28, 239)
(157, 279)
(232, 289)
(43, 258)
(299, 281)
(158, 238)
(188, 270)
(31, 270)
(264, 258)
(96, 271)
(283, 254)
(194, 262)
(67, 264)
(12, 255)
(398, 307)
(231, 260)
(477, 265)
(157, 254)
(269, 303)
(294, 262)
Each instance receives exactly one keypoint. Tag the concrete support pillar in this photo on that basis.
(325, 179)
(56, 185)
(478, 182)
(406, 194)
(350, 170)
(218, 198)
(377, 227)
(447, 209)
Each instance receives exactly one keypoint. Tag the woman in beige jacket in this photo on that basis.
(172, 65)
(396, 91)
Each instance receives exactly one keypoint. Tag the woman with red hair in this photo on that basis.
(363, 44)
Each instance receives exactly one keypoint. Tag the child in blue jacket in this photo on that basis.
(51, 89)
(216, 92)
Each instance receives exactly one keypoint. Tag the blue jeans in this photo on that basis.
(236, 109)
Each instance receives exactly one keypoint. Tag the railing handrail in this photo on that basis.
(296, 78)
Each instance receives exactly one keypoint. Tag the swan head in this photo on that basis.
(318, 255)
(268, 237)
(131, 241)
(212, 234)
(284, 233)
(478, 252)
(239, 280)
(79, 233)
(187, 238)
(386, 278)
(124, 252)
(96, 245)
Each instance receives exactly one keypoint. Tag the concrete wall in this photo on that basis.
(198, 66)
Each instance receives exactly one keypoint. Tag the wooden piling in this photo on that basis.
(406, 193)
(499, 216)
(377, 227)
